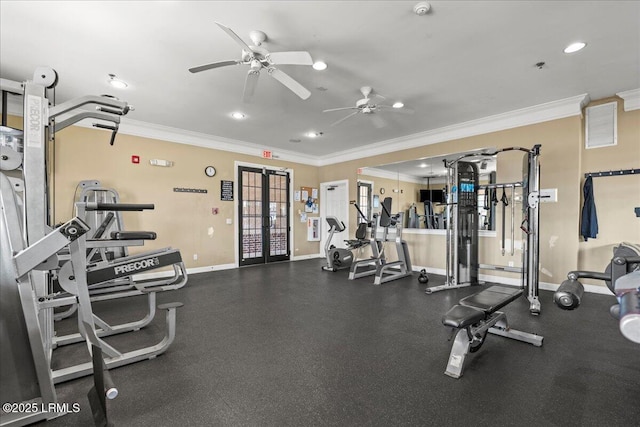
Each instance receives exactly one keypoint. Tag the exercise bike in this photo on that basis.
(342, 258)
(337, 258)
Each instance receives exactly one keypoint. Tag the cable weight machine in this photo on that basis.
(462, 265)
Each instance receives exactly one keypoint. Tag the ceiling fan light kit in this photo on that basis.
(116, 82)
(319, 65)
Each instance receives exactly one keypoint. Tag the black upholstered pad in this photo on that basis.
(133, 235)
(492, 298)
(461, 316)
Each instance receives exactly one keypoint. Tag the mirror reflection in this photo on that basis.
(419, 189)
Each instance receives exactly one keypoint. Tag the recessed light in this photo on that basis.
(295, 140)
(237, 115)
(116, 82)
(423, 165)
(319, 65)
(313, 134)
(398, 105)
(574, 47)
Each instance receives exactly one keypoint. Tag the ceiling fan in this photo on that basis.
(258, 59)
(367, 106)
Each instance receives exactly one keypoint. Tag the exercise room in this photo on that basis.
(320, 213)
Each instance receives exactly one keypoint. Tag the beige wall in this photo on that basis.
(183, 220)
(615, 196)
(563, 164)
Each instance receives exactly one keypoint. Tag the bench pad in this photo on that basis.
(492, 298)
(461, 316)
(133, 235)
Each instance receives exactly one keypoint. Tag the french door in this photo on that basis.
(264, 223)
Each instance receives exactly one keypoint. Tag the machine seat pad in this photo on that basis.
(461, 316)
(133, 235)
(492, 298)
(170, 305)
(356, 243)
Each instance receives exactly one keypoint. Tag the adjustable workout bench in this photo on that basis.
(476, 315)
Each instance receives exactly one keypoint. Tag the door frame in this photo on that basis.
(373, 189)
(323, 209)
(236, 199)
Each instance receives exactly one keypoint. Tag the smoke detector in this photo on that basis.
(422, 8)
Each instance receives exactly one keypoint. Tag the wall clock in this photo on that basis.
(210, 171)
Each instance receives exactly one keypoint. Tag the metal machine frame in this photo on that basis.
(30, 245)
(388, 229)
(477, 315)
(30, 248)
(24, 353)
(622, 277)
(462, 258)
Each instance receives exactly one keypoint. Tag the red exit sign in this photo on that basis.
(267, 154)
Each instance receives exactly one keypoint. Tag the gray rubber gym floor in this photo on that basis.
(290, 345)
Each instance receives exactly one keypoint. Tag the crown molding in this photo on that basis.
(181, 136)
(142, 129)
(631, 99)
(554, 110)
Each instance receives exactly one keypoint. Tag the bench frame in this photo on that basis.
(469, 338)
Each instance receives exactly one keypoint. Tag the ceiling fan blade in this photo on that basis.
(291, 58)
(250, 85)
(213, 65)
(234, 36)
(289, 82)
(378, 121)
(396, 110)
(344, 118)
(339, 109)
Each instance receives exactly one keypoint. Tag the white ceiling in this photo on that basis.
(464, 60)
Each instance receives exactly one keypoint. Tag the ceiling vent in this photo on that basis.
(601, 127)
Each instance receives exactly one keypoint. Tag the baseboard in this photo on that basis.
(193, 270)
(304, 257)
(512, 281)
(509, 281)
(438, 271)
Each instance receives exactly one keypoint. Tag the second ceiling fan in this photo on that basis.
(258, 58)
(368, 107)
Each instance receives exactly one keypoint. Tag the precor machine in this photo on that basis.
(29, 251)
(462, 263)
(107, 248)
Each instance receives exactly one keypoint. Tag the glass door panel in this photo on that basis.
(264, 216)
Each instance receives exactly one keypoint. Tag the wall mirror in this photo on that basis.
(418, 189)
